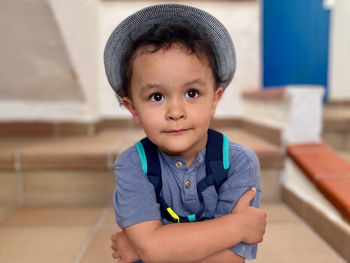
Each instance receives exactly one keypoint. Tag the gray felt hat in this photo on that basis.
(143, 20)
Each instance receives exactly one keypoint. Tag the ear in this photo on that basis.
(129, 105)
(217, 97)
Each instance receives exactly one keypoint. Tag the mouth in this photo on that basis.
(176, 131)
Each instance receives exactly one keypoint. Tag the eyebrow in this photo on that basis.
(149, 86)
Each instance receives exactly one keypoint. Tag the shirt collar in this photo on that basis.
(173, 161)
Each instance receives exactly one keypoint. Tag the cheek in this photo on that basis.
(201, 115)
(150, 119)
(152, 128)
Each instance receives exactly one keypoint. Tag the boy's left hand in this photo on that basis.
(123, 249)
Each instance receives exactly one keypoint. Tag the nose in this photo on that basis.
(176, 111)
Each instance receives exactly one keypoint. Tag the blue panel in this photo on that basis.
(295, 42)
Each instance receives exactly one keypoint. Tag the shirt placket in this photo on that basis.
(189, 186)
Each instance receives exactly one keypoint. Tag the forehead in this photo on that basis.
(172, 67)
(176, 56)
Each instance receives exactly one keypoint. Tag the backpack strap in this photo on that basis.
(148, 153)
(216, 163)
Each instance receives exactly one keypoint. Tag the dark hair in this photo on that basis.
(162, 37)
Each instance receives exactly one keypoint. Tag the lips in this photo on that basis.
(176, 131)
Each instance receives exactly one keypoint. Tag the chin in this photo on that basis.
(175, 149)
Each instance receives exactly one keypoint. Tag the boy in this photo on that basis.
(169, 64)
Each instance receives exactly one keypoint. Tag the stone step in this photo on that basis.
(311, 187)
(327, 170)
(336, 126)
(79, 169)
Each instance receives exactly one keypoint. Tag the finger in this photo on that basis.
(114, 247)
(114, 237)
(115, 255)
(247, 197)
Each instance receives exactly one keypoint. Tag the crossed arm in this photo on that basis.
(126, 252)
(206, 241)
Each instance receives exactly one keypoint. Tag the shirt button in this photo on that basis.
(187, 184)
(178, 164)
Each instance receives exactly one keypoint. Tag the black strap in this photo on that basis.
(154, 173)
(215, 172)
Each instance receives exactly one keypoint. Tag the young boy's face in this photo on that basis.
(173, 96)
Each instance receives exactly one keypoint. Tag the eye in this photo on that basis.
(192, 93)
(155, 97)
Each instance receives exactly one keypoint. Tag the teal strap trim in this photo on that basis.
(192, 218)
(225, 149)
(142, 155)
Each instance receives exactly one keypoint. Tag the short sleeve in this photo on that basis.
(134, 197)
(244, 173)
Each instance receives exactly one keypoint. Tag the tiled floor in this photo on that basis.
(289, 240)
(57, 234)
(82, 235)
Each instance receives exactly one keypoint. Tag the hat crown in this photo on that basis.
(143, 20)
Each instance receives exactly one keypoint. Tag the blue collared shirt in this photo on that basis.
(135, 199)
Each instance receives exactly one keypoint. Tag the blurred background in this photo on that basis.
(61, 126)
(52, 52)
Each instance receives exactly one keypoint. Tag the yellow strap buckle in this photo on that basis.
(173, 214)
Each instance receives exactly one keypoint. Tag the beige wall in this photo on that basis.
(78, 23)
(34, 65)
(51, 51)
(38, 79)
(339, 63)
